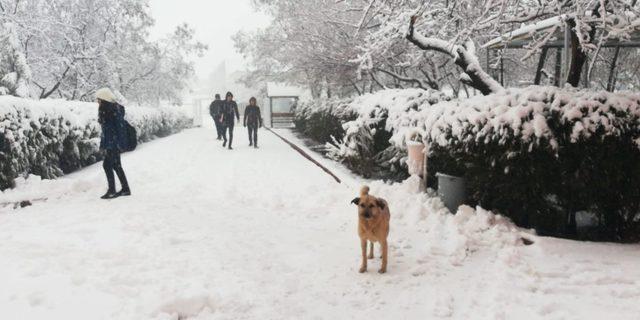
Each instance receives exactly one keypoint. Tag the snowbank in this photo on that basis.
(49, 138)
(455, 236)
(267, 235)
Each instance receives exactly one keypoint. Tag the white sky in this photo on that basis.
(215, 22)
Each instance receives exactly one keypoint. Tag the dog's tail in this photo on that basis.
(364, 191)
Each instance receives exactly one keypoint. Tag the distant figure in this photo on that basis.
(253, 120)
(229, 112)
(215, 109)
(113, 141)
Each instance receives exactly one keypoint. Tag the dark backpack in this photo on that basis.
(129, 138)
(131, 135)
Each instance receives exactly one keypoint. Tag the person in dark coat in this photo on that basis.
(229, 115)
(215, 109)
(253, 121)
(113, 140)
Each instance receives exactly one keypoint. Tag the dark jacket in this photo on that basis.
(215, 109)
(111, 119)
(230, 111)
(252, 116)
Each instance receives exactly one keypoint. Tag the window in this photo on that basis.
(284, 105)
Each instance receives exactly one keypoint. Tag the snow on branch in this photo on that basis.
(463, 56)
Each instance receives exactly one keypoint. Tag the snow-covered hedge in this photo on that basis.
(49, 138)
(541, 154)
(322, 119)
(358, 132)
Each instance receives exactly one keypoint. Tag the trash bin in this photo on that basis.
(452, 191)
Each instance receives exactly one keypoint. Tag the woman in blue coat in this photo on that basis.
(113, 141)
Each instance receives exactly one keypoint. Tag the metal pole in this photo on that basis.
(565, 55)
(558, 68)
(271, 110)
(502, 68)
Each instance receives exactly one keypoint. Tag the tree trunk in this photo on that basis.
(543, 58)
(578, 56)
(611, 84)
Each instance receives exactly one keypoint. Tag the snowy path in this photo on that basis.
(213, 234)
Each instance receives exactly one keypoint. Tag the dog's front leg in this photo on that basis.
(370, 249)
(385, 250)
(363, 246)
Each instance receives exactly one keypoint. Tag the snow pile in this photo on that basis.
(534, 115)
(456, 236)
(196, 305)
(51, 137)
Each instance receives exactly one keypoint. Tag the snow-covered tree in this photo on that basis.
(454, 28)
(74, 47)
(15, 73)
(309, 42)
(364, 45)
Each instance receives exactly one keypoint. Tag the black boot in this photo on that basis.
(124, 192)
(224, 144)
(111, 194)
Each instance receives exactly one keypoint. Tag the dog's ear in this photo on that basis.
(356, 201)
(380, 204)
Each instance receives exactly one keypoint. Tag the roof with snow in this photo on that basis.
(522, 36)
(275, 89)
(526, 32)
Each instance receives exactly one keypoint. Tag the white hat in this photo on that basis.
(105, 94)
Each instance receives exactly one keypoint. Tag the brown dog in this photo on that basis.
(373, 226)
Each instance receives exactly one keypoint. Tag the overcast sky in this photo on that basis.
(215, 21)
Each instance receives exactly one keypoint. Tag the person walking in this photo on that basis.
(113, 140)
(253, 121)
(215, 109)
(229, 112)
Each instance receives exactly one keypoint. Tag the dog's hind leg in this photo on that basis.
(363, 246)
(385, 251)
(370, 249)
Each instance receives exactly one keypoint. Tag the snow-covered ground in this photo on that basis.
(265, 234)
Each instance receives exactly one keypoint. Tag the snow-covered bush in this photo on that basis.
(49, 138)
(322, 119)
(540, 155)
(358, 132)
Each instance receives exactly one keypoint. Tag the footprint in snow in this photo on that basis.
(443, 307)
